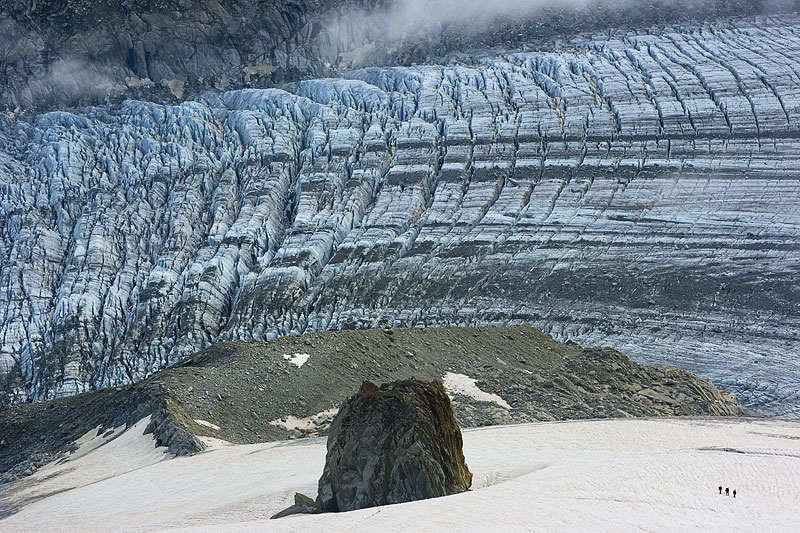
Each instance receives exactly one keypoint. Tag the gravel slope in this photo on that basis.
(257, 392)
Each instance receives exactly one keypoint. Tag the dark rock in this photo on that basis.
(302, 505)
(168, 425)
(393, 444)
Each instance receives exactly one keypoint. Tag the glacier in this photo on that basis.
(638, 191)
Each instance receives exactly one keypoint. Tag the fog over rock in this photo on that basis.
(639, 192)
(77, 52)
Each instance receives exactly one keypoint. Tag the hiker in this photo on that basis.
(727, 491)
(734, 493)
(720, 489)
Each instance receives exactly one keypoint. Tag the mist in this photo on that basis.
(408, 14)
(405, 20)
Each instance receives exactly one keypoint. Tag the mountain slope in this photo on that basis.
(61, 53)
(256, 392)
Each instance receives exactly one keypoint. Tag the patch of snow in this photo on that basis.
(212, 443)
(207, 424)
(465, 385)
(356, 58)
(306, 423)
(297, 359)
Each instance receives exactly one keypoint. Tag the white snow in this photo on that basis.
(109, 455)
(213, 443)
(465, 385)
(207, 424)
(297, 359)
(599, 475)
(308, 422)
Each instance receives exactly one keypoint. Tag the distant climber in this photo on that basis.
(734, 493)
(720, 489)
(727, 491)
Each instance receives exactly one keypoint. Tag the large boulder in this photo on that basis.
(393, 444)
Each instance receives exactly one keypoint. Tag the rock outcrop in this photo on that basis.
(637, 192)
(32, 435)
(71, 52)
(393, 444)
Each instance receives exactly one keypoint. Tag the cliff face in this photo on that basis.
(76, 52)
(639, 192)
(72, 52)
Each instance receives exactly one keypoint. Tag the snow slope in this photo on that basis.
(600, 475)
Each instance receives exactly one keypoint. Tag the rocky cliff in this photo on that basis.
(638, 190)
(61, 53)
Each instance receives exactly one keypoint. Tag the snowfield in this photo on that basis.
(598, 475)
